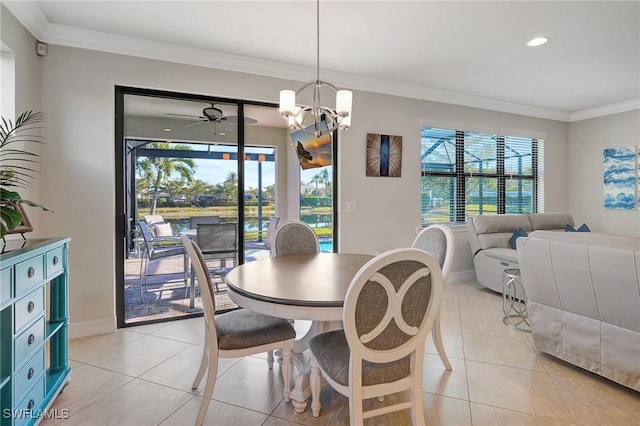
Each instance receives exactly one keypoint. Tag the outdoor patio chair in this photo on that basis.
(389, 308)
(266, 243)
(194, 221)
(294, 237)
(160, 229)
(156, 248)
(218, 241)
(438, 241)
(236, 334)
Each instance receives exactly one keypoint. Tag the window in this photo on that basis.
(471, 173)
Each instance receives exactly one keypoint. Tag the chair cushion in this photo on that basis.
(244, 329)
(163, 230)
(332, 353)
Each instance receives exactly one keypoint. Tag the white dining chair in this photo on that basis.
(235, 334)
(439, 242)
(294, 237)
(389, 308)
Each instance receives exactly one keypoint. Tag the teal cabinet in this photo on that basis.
(34, 329)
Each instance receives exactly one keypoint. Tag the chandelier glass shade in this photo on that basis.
(308, 117)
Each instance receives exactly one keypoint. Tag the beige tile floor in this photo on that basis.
(142, 376)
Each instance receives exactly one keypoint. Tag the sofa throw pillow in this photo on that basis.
(163, 230)
(581, 228)
(516, 234)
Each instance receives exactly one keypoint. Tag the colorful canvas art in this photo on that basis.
(621, 178)
(313, 152)
(384, 155)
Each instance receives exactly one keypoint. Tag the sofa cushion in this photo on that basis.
(507, 254)
(517, 233)
(582, 228)
(549, 221)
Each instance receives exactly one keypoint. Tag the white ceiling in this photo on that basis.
(466, 53)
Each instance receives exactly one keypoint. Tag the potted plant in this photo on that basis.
(16, 170)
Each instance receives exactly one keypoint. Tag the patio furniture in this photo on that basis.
(438, 241)
(194, 221)
(266, 243)
(218, 241)
(154, 248)
(160, 229)
(294, 237)
(389, 308)
(236, 334)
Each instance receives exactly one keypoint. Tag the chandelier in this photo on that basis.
(308, 118)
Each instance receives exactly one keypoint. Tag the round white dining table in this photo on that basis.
(300, 287)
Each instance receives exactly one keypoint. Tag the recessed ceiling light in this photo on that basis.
(222, 134)
(538, 41)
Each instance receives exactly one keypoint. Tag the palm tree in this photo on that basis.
(160, 169)
(230, 186)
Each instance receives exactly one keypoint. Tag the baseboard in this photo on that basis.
(92, 328)
(462, 276)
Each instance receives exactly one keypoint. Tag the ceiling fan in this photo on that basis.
(213, 114)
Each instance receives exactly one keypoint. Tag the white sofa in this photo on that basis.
(489, 239)
(583, 293)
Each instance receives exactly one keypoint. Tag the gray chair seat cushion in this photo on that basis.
(332, 353)
(243, 329)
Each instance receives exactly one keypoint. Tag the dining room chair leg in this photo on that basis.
(315, 383)
(204, 363)
(417, 410)
(287, 371)
(356, 413)
(270, 359)
(208, 392)
(436, 331)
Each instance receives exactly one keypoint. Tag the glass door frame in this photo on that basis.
(120, 214)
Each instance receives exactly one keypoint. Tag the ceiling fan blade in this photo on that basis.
(191, 123)
(186, 115)
(234, 119)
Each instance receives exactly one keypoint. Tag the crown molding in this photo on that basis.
(34, 20)
(616, 108)
(30, 16)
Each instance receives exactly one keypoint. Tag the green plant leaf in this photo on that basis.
(34, 204)
(6, 195)
(10, 217)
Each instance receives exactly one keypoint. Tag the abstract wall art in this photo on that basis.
(384, 155)
(620, 178)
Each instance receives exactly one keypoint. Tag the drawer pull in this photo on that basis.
(31, 272)
(30, 307)
(31, 373)
(31, 339)
(31, 404)
(55, 260)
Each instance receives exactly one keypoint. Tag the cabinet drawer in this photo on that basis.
(27, 410)
(6, 283)
(27, 342)
(28, 273)
(28, 375)
(28, 308)
(54, 262)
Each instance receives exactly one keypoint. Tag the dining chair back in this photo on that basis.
(389, 308)
(294, 237)
(194, 221)
(439, 242)
(151, 250)
(235, 334)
